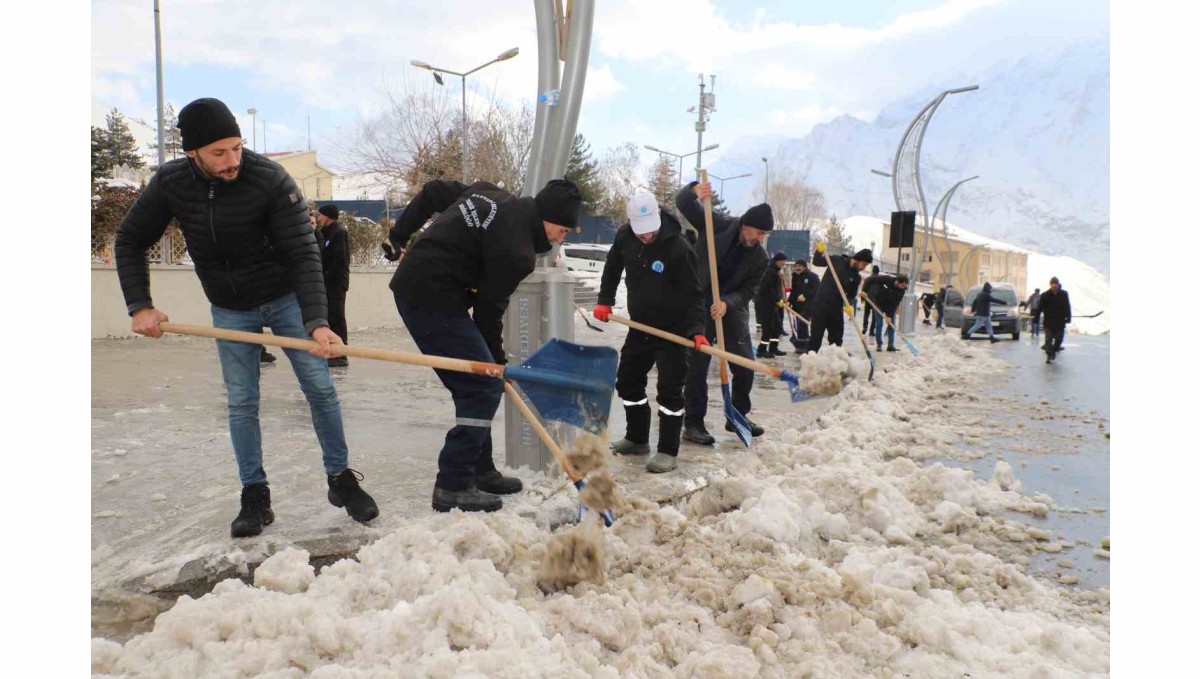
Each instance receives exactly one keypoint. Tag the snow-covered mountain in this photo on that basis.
(1036, 131)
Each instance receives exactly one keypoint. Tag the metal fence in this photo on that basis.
(170, 249)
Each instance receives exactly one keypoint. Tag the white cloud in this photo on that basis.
(601, 83)
(777, 76)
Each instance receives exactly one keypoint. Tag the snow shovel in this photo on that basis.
(846, 301)
(544, 435)
(797, 314)
(740, 426)
(786, 376)
(893, 327)
(566, 382)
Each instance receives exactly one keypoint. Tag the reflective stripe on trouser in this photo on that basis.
(737, 341)
(468, 446)
(639, 354)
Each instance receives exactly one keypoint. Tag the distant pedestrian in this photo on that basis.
(804, 292)
(335, 262)
(1055, 307)
(1034, 307)
(829, 306)
(768, 304)
(940, 305)
(982, 309)
(868, 312)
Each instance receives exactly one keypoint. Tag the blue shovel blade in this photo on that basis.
(740, 426)
(911, 347)
(569, 383)
(871, 358)
(793, 384)
(606, 515)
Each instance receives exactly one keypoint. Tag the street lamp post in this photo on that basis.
(726, 179)
(681, 157)
(162, 149)
(463, 76)
(766, 181)
(253, 128)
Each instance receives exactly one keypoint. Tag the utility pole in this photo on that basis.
(707, 105)
(253, 128)
(309, 133)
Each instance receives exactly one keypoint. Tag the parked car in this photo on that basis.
(585, 257)
(1005, 317)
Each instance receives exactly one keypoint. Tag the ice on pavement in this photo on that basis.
(829, 552)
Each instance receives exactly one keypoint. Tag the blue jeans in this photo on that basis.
(467, 451)
(240, 370)
(891, 332)
(984, 321)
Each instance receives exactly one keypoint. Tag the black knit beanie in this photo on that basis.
(204, 121)
(864, 255)
(560, 202)
(330, 211)
(779, 257)
(759, 217)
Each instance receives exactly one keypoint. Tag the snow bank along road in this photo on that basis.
(827, 551)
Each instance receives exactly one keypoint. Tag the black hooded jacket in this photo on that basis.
(982, 306)
(660, 278)
(806, 284)
(250, 239)
(881, 289)
(770, 291)
(1055, 308)
(828, 295)
(737, 290)
(484, 243)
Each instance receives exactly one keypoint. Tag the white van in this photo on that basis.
(585, 257)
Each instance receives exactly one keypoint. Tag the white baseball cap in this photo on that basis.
(643, 213)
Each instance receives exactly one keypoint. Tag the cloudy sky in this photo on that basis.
(781, 66)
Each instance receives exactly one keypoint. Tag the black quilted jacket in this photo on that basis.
(249, 239)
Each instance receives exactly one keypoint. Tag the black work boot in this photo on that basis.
(669, 429)
(256, 511)
(637, 431)
(755, 430)
(265, 356)
(775, 349)
(695, 432)
(492, 481)
(344, 491)
(892, 347)
(763, 351)
(468, 500)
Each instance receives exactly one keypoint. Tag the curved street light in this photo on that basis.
(939, 212)
(507, 54)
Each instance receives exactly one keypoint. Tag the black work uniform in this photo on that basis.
(827, 313)
(663, 291)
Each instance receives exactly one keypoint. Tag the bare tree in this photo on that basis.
(796, 205)
(620, 174)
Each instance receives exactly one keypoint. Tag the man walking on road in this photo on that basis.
(768, 304)
(804, 291)
(828, 310)
(1055, 307)
(982, 309)
(741, 262)
(335, 263)
(471, 258)
(246, 228)
(663, 291)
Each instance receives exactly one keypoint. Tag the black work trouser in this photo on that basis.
(1054, 337)
(826, 319)
(737, 341)
(639, 354)
(337, 312)
(772, 325)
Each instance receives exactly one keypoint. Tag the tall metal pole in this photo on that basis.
(766, 181)
(264, 135)
(253, 128)
(464, 129)
(699, 130)
(162, 149)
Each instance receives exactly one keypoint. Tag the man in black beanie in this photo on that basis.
(335, 264)
(471, 258)
(742, 260)
(829, 306)
(768, 302)
(247, 231)
(804, 292)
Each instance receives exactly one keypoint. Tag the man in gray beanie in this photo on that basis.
(247, 231)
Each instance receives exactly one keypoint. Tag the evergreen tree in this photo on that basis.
(718, 206)
(100, 153)
(585, 172)
(663, 181)
(172, 136)
(837, 240)
(122, 146)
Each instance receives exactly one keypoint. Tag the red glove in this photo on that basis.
(602, 312)
(701, 341)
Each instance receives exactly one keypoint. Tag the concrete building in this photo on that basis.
(315, 181)
(976, 259)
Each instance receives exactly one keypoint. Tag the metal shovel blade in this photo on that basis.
(740, 426)
(570, 383)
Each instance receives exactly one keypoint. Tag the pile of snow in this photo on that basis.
(828, 552)
(825, 372)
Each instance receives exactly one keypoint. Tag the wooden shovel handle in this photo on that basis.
(712, 275)
(442, 362)
(886, 320)
(797, 314)
(711, 351)
(845, 300)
